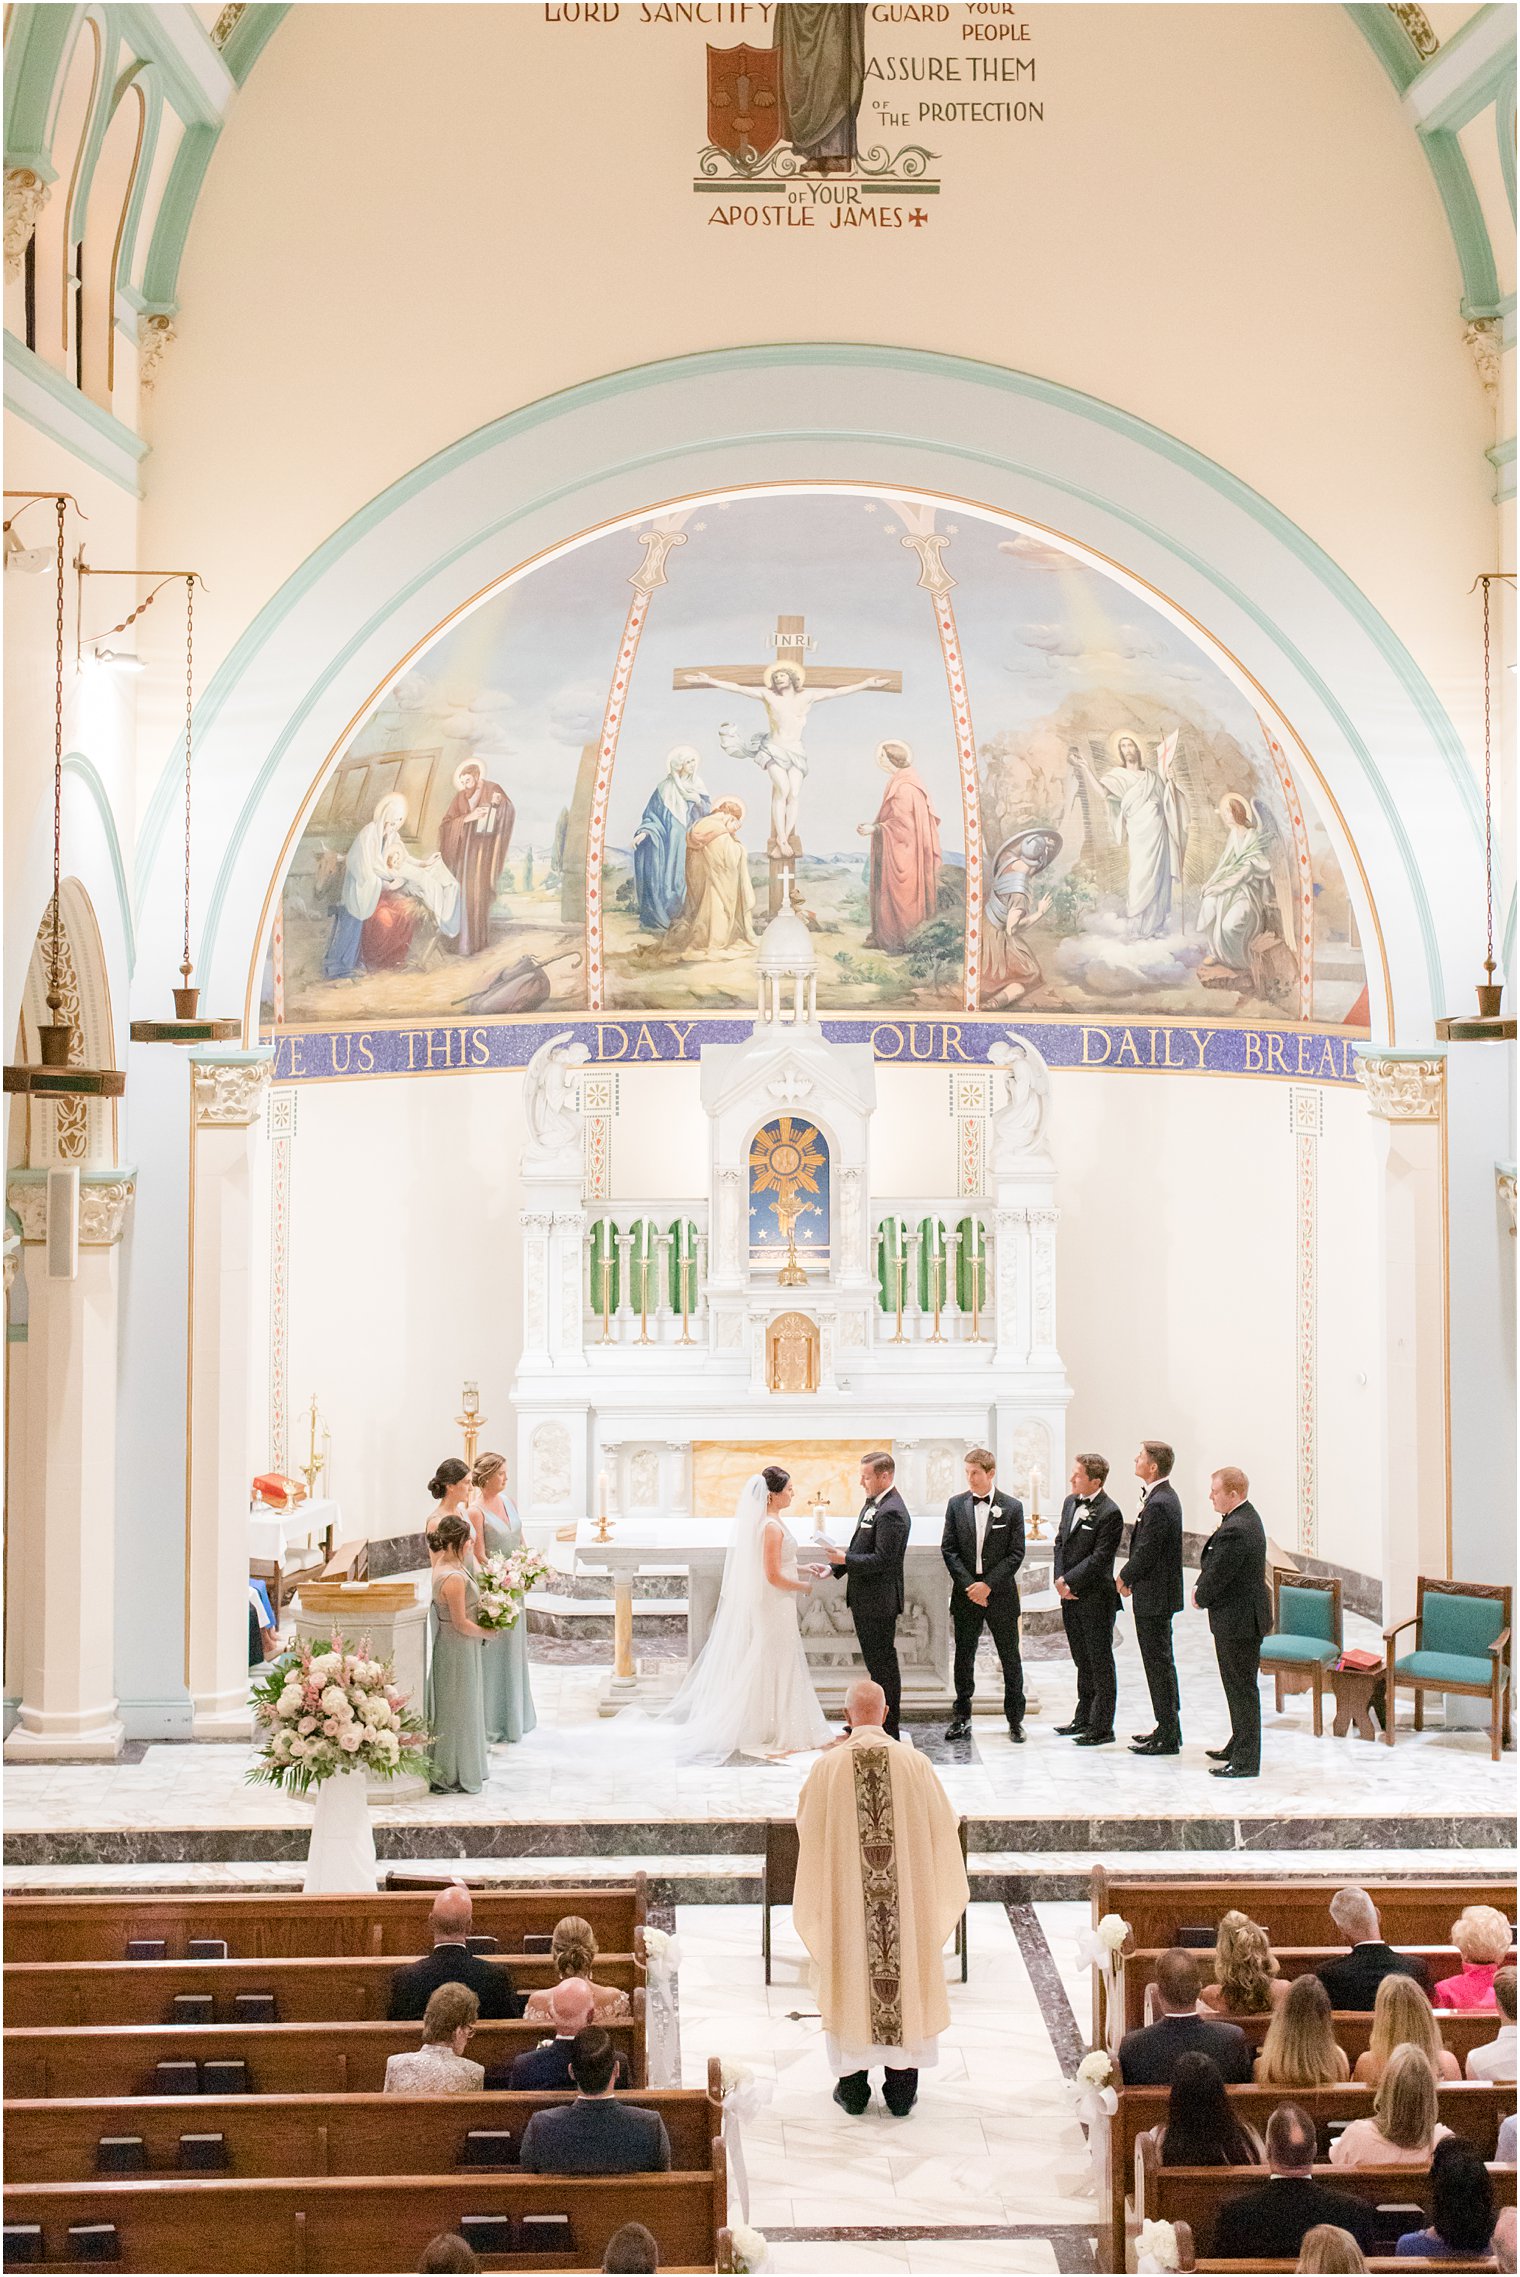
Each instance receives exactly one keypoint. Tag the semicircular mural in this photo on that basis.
(985, 772)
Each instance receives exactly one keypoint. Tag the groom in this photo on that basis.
(873, 1570)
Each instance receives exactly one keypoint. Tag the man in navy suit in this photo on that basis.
(983, 1547)
(595, 2134)
(1152, 1582)
(1087, 1542)
(452, 1962)
(873, 1570)
(572, 2005)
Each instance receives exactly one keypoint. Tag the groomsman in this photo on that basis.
(1232, 1590)
(984, 1547)
(873, 1570)
(1152, 1581)
(1087, 1542)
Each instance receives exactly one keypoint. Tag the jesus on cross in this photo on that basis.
(779, 747)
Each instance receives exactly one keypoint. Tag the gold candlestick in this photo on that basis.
(681, 1271)
(791, 1275)
(976, 1282)
(902, 1291)
(471, 1422)
(315, 1464)
(936, 1260)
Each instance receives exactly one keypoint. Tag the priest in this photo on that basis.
(881, 1884)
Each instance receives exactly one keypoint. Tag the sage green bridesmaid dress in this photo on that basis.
(455, 1704)
(508, 1694)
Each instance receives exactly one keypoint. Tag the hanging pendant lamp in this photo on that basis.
(1490, 1025)
(58, 1076)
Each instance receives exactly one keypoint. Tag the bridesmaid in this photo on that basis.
(509, 1698)
(455, 1710)
(451, 1487)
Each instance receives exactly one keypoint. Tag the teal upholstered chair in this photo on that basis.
(1461, 1644)
(1306, 1637)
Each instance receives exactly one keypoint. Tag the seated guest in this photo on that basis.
(1496, 2058)
(1200, 2128)
(1300, 2049)
(1148, 2057)
(1327, 2250)
(1352, 1980)
(441, 2067)
(548, 2065)
(446, 2252)
(597, 2133)
(452, 1962)
(1462, 2208)
(1271, 2224)
(1504, 2231)
(1481, 1935)
(1505, 2154)
(1401, 2018)
(573, 1953)
(1246, 1981)
(632, 2248)
(1403, 2129)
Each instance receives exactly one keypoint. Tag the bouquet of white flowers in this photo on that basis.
(318, 1713)
(751, 2248)
(503, 1582)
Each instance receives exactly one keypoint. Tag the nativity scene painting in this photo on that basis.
(789, 738)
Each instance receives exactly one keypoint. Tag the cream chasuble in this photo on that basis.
(881, 1884)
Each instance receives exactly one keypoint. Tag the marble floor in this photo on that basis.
(1082, 1799)
(992, 2148)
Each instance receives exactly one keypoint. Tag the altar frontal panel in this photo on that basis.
(822, 1470)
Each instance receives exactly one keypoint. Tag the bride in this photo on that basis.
(749, 1691)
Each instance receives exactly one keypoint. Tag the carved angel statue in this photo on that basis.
(549, 1100)
(1019, 1125)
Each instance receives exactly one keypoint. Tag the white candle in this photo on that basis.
(601, 1494)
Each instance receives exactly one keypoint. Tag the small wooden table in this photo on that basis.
(1354, 1688)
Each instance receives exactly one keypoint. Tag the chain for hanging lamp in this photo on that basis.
(1490, 1025)
(58, 1075)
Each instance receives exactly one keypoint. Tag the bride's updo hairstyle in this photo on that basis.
(775, 1478)
(450, 1472)
(450, 1533)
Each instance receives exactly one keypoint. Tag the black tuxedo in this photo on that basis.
(1153, 1577)
(1232, 1590)
(1002, 1555)
(1270, 2224)
(414, 1986)
(592, 2136)
(1352, 1979)
(1087, 1542)
(873, 1571)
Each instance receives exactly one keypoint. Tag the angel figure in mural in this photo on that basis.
(779, 747)
(383, 891)
(1010, 968)
(1149, 812)
(1238, 912)
(551, 1108)
(1018, 1126)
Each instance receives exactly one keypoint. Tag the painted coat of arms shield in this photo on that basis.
(743, 101)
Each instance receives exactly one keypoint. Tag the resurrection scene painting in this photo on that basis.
(832, 696)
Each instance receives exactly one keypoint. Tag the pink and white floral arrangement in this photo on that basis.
(319, 1713)
(503, 1582)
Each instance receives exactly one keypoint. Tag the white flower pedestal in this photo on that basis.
(394, 1618)
(342, 1853)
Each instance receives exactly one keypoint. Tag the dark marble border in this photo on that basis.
(398, 1553)
(1066, 2034)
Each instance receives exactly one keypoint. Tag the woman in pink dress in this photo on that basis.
(1481, 1936)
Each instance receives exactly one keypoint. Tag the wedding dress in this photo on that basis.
(749, 1690)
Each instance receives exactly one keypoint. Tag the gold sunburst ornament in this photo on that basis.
(784, 1160)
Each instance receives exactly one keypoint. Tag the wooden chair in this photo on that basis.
(1306, 1638)
(1461, 1644)
(778, 1886)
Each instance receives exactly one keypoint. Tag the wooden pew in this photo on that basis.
(1471, 2108)
(316, 2135)
(115, 2060)
(1137, 1971)
(311, 1990)
(1460, 2029)
(368, 2222)
(394, 1922)
(1419, 1911)
(1194, 2194)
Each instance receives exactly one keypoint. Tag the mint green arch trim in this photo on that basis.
(40, 38)
(250, 36)
(153, 96)
(106, 97)
(75, 763)
(1504, 127)
(176, 211)
(1388, 40)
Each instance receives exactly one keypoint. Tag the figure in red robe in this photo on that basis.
(473, 838)
(904, 852)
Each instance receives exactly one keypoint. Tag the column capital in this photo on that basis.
(228, 1087)
(105, 1196)
(12, 1257)
(1403, 1086)
(1504, 1186)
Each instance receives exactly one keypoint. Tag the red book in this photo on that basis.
(1359, 1659)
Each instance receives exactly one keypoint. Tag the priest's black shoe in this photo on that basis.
(1155, 1747)
(1232, 1771)
(1217, 1754)
(1016, 1734)
(1095, 1739)
(1069, 1731)
(899, 2092)
(853, 2093)
(958, 1728)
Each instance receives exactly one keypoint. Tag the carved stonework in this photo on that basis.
(942, 1474)
(156, 335)
(12, 1258)
(1419, 27)
(643, 1479)
(852, 1329)
(71, 1117)
(1029, 1450)
(728, 1221)
(1403, 1090)
(229, 1092)
(29, 1201)
(227, 22)
(1484, 340)
(103, 1205)
(730, 1332)
(26, 194)
(1504, 1182)
(551, 1463)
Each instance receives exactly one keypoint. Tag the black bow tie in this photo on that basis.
(1084, 1501)
(870, 1502)
(981, 1503)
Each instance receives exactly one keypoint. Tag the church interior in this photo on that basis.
(759, 936)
